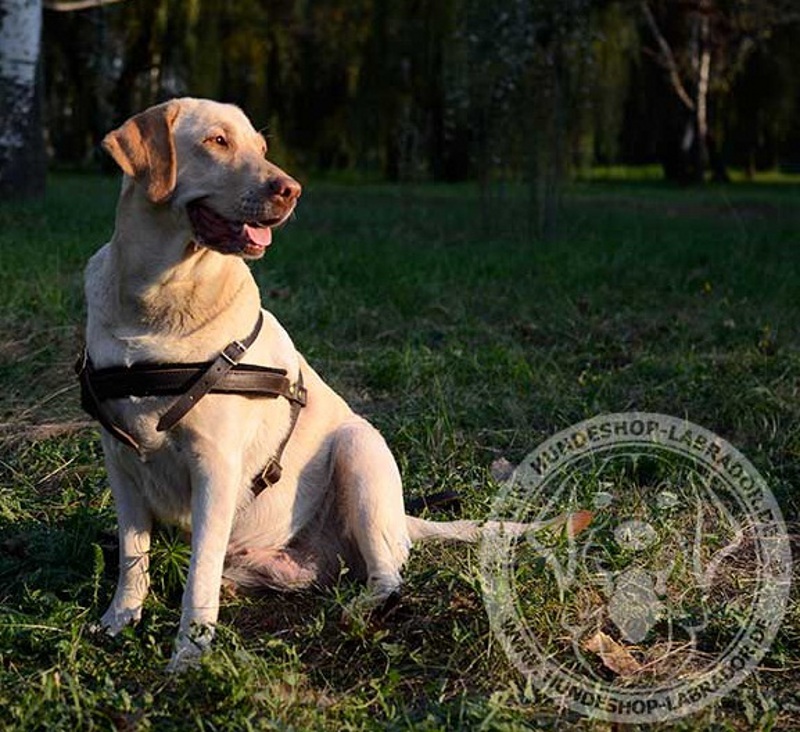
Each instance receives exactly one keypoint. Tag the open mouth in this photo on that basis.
(248, 239)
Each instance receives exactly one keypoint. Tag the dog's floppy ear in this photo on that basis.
(145, 149)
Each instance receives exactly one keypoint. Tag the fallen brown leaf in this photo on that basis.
(614, 656)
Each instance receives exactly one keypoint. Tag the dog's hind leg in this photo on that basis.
(370, 501)
(290, 568)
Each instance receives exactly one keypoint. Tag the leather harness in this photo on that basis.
(190, 382)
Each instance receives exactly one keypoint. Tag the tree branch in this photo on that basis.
(66, 6)
(667, 57)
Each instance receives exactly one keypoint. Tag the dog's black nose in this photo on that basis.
(282, 186)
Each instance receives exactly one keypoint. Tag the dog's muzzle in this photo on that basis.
(213, 230)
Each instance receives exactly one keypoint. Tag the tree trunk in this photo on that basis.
(22, 157)
(688, 148)
(703, 78)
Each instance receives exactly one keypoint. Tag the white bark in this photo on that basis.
(20, 33)
(666, 57)
(703, 78)
(67, 6)
(20, 43)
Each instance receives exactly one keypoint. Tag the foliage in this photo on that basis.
(702, 47)
(438, 89)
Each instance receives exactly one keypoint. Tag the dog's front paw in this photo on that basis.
(116, 619)
(189, 647)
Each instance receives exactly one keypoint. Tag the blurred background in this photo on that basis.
(441, 90)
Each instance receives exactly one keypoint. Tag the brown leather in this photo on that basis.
(191, 382)
(272, 471)
(175, 379)
(91, 403)
(208, 377)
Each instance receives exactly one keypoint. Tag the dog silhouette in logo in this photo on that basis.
(653, 554)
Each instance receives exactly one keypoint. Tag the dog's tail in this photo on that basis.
(472, 531)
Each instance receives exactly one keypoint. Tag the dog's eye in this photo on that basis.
(218, 140)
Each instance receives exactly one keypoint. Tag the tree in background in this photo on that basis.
(444, 89)
(22, 158)
(401, 100)
(520, 89)
(616, 49)
(760, 118)
(702, 46)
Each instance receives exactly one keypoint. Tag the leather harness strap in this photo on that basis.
(177, 379)
(191, 382)
(273, 470)
(227, 359)
(90, 402)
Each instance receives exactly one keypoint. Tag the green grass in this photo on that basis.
(464, 339)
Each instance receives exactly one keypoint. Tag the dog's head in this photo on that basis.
(205, 157)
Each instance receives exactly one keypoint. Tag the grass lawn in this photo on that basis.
(465, 340)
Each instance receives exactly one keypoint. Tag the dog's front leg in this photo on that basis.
(215, 487)
(135, 525)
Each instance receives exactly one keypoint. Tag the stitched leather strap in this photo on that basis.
(193, 381)
(231, 354)
(175, 379)
(91, 403)
(273, 470)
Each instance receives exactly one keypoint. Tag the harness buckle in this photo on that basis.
(233, 358)
(268, 477)
(298, 393)
(82, 362)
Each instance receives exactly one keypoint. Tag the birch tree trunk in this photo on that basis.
(701, 71)
(22, 158)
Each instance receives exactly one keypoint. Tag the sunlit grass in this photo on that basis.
(465, 339)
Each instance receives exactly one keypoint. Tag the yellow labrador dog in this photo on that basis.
(211, 418)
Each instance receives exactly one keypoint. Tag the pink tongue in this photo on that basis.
(260, 236)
